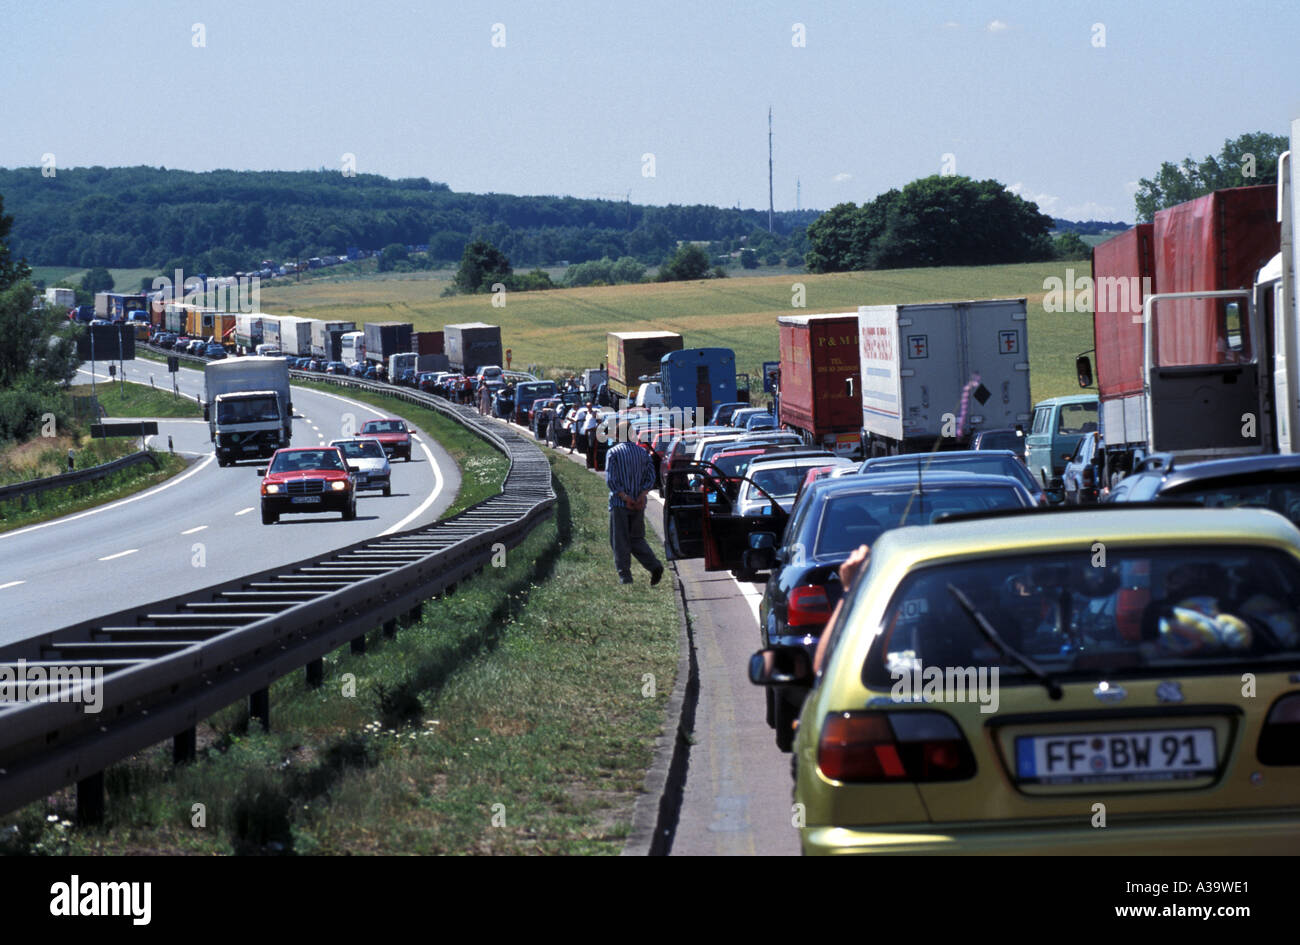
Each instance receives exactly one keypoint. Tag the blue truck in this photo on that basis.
(698, 378)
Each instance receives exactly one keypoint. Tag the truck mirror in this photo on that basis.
(207, 413)
(1083, 367)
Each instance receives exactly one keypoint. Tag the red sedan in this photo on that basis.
(315, 479)
(392, 435)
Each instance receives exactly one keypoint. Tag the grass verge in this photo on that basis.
(517, 717)
(18, 513)
(141, 400)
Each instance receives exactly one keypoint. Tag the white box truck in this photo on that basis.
(247, 404)
(934, 374)
(295, 336)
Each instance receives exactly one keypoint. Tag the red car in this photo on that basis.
(392, 435)
(307, 479)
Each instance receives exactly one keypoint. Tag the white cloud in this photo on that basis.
(997, 26)
(1047, 203)
(841, 177)
(1131, 188)
(952, 25)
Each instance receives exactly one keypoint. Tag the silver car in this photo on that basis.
(366, 455)
(780, 477)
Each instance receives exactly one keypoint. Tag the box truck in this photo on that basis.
(60, 298)
(248, 331)
(247, 404)
(1187, 342)
(327, 339)
(294, 336)
(697, 379)
(819, 368)
(633, 355)
(352, 347)
(934, 374)
(385, 339)
(427, 342)
(472, 345)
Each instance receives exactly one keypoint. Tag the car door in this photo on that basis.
(697, 527)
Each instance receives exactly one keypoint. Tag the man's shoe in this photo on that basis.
(656, 575)
(625, 579)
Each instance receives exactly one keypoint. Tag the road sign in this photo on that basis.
(173, 363)
(133, 428)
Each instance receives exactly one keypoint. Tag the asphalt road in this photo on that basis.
(202, 526)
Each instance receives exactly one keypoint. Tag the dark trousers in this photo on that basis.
(627, 538)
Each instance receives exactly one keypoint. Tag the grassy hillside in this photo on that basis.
(124, 280)
(566, 328)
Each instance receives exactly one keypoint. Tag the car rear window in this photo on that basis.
(860, 518)
(984, 465)
(782, 482)
(1077, 418)
(1002, 441)
(384, 426)
(1280, 497)
(362, 449)
(1143, 610)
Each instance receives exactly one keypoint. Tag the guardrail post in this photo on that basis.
(184, 746)
(390, 628)
(416, 613)
(316, 674)
(359, 644)
(90, 799)
(259, 707)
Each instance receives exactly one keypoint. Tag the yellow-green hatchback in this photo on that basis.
(1096, 682)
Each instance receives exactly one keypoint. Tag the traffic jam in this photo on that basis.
(984, 619)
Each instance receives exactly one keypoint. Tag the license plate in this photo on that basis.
(305, 499)
(1099, 757)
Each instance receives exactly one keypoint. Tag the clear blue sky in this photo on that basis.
(580, 91)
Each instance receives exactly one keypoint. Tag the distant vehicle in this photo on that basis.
(471, 346)
(696, 379)
(369, 462)
(307, 479)
(214, 352)
(761, 421)
(722, 413)
(392, 435)
(248, 406)
(633, 355)
(336, 367)
(818, 382)
(1059, 424)
(267, 350)
(1266, 482)
(1082, 479)
(778, 476)
(1010, 438)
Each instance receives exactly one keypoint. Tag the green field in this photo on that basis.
(141, 400)
(565, 328)
(124, 280)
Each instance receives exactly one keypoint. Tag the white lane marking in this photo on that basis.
(437, 488)
(244, 511)
(196, 528)
(11, 584)
(120, 554)
(104, 508)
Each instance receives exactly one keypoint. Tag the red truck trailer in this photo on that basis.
(427, 342)
(817, 395)
(1184, 388)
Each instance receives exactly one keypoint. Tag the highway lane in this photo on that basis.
(202, 526)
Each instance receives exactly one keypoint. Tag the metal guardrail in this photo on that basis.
(89, 474)
(172, 663)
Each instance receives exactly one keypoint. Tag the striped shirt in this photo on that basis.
(628, 469)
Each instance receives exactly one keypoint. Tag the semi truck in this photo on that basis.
(404, 361)
(385, 339)
(472, 345)
(633, 355)
(293, 336)
(60, 298)
(934, 374)
(819, 366)
(698, 379)
(427, 342)
(327, 338)
(1187, 343)
(352, 347)
(248, 331)
(247, 405)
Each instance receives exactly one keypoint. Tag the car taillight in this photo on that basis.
(807, 606)
(1279, 741)
(918, 745)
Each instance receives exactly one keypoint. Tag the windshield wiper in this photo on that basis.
(982, 624)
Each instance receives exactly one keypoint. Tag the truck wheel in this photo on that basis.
(269, 517)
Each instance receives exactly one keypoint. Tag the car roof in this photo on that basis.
(890, 481)
(1067, 399)
(942, 456)
(1239, 466)
(1146, 525)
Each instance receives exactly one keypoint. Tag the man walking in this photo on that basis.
(630, 475)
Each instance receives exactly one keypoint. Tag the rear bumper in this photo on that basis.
(330, 502)
(1274, 834)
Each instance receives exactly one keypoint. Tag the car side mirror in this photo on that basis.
(781, 666)
(353, 468)
(261, 470)
(207, 413)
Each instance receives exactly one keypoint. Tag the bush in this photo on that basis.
(20, 414)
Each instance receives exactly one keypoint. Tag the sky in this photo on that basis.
(1066, 103)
